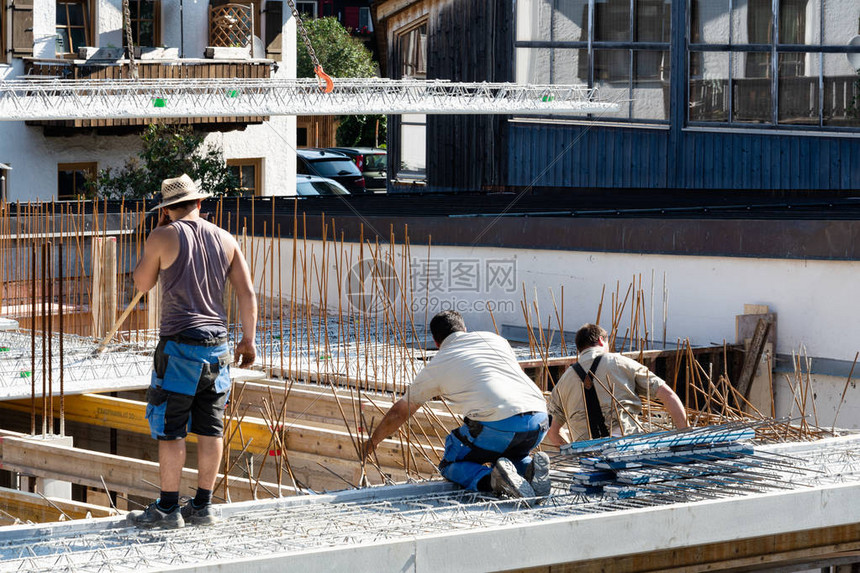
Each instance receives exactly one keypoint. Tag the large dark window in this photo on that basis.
(753, 62)
(144, 23)
(72, 179)
(618, 46)
(73, 26)
(249, 174)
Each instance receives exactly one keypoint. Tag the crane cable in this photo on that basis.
(129, 38)
(322, 77)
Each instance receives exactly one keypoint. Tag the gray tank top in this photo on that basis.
(192, 288)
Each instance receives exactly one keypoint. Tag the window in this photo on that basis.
(72, 179)
(365, 22)
(73, 28)
(619, 46)
(774, 64)
(249, 173)
(145, 23)
(413, 53)
(413, 126)
(3, 33)
(307, 8)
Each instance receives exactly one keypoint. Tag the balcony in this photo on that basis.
(173, 69)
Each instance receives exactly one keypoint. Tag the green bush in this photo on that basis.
(168, 151)
(342, 56)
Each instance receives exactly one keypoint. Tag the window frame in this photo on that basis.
(257, 164)
(400, 35)
(88, 27)
(156, 24)
(4, 18)
(91, 166)
(774, 48)
(312, 3)
(590, 45)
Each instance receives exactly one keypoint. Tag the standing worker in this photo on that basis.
(191, 377)
(599, 396)
(505, 413)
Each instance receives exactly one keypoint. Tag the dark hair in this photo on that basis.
(445, 323)
(588, 335)
(182, 205)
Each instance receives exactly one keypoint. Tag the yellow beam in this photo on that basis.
(129, 415)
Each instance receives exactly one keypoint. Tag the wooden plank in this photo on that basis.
(104, 297)
(753, 554)
(318, 403)
(33, 507)
(86, 467)
(756, 309)
(129, 415)
(753, 357)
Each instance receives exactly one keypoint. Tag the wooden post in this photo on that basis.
(103, 302)
(153, 307)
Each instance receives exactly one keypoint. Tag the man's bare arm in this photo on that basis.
(240, 278)
(674, 406)
(553, 436)
(393, 419)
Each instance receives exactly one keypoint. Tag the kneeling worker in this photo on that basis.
(599, 396)
(478, 374)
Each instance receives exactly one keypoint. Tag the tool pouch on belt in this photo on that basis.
(180, 370)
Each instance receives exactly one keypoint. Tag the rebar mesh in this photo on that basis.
(315, 524)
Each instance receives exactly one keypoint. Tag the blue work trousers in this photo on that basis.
(474, 444)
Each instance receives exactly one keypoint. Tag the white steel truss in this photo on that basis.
(56, 99)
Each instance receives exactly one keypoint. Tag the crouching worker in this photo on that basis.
(505, 413)
(191, 378)
(599, 396)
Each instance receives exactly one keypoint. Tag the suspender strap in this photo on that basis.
(596, 422)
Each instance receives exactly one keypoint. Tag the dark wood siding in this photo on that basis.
(472, 42)
(600, 156)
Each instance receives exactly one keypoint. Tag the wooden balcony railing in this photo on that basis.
(172, 69)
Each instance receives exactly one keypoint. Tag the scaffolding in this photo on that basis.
(59, 99)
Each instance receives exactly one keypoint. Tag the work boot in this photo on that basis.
(537, 474)
(204, 515)
(504, 479)
(156, 518)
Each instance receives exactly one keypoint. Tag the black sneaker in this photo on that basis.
(537, 474)
(504, 479)
(156, 518)
(205, 515)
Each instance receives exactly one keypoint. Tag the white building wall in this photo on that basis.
(34, 157)
(812, 299)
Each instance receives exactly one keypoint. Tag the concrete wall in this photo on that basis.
(34, 157)
(704, 296)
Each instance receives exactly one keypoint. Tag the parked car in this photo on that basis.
(312, 185)
(372, 162)
(332, 165)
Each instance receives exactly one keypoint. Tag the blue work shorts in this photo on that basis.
(189, 390)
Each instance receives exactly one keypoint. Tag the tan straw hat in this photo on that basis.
(177, 190)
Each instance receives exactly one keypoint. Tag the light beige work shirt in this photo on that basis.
(626, 378)
(479, 376)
